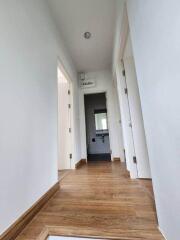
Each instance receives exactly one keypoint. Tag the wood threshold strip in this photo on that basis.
(80, 163)
(17, 227)
(66, 231)
(116, 159)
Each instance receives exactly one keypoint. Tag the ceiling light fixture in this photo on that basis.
(87, 35)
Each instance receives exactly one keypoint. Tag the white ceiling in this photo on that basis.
(74, 17)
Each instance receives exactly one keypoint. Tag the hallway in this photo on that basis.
(97, 200)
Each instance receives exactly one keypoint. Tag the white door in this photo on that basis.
(127, 131)
(64, 122)
(136, 113)
(69, 134)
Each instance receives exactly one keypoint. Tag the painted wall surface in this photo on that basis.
(140, 146)
(29, 49)
(154, 27)
(104, 83)
(118, 30)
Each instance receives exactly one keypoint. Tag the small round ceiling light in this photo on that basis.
(87, 35)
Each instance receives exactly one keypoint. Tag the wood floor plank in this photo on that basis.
(99, 200)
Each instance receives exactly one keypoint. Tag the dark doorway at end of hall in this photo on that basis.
(97, 131)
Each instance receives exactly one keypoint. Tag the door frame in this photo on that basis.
(124, 34)
(83, 127)
(68, 78)
(132, 167)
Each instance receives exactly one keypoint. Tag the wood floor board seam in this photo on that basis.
(97, 200)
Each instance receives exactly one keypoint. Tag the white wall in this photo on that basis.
(118, 30)
(104, 83)
(155, 37)
(29, 49)
(140, 146)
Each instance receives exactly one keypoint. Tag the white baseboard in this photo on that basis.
(162, 233)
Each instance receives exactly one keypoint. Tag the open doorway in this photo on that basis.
(97, 131)
(64, 122)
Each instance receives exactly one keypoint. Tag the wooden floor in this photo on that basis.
(98, 200)
(63, 173)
